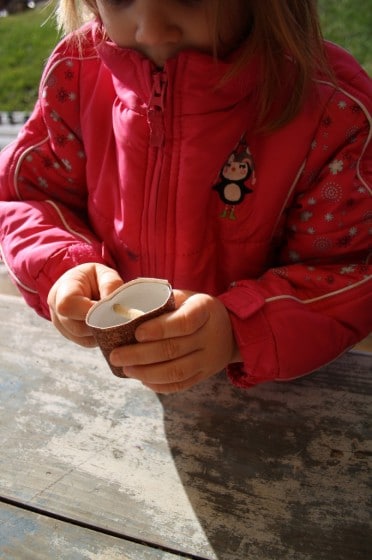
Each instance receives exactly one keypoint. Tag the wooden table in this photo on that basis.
(94, 467)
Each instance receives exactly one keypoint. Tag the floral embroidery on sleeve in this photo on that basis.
(328, 221)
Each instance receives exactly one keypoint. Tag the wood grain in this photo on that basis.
(280, 471)
(25, 535)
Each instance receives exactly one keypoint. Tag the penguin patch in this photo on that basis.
(232, 185)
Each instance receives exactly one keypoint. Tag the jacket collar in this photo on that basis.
(196, 78)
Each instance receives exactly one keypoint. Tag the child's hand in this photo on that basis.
(181, 348)
(73, 295)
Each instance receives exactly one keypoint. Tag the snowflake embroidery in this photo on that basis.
(314, 144)
(48, 162)
(306, 216)
(72, 96)
(311, 201)
(54, 116)
(42, 182)
(362, 190)
(294, 256)
(327, 121)
(348, 156)
(353, 231)
(281, 271)
(351, 134)
(344, 241)
(322, 244)
(348, 269)
(342, 105)
(67, 164)
(332, 192)
(363, 268)
(61, 140)
(355, 108)
(311, 230)
(62, 95)
(69, 74)
(336, 166)
(329, 217)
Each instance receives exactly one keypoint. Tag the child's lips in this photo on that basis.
(160, 56)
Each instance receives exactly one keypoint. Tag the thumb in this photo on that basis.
(108, 280)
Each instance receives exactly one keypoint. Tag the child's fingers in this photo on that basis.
(186, 320)
(175, 387)
(76, 331)
(177, 371)
(156, 352)
(73, 307)
(107, 280)
(72, 296)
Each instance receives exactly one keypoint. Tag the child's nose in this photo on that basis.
(154, 28)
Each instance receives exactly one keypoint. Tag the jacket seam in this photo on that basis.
(20, 161)
(322, 297)
(369, 137)
(15, 278)
(65, 222)
(290, 191)
(60, 61)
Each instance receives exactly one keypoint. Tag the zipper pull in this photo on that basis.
(155, 110)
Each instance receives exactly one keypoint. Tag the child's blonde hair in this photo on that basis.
(279, 29)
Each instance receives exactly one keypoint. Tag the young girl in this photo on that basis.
(218, 144)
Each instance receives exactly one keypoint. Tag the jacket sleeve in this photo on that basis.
(317, 301)
(44, 230)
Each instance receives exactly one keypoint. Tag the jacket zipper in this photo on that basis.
(155, 111)
(155, 224)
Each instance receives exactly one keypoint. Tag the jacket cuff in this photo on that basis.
(253, 336)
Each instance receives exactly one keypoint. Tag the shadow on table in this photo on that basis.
(278, 471)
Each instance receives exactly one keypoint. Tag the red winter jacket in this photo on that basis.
(159, 173)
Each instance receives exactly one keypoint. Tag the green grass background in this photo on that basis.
(26, 40)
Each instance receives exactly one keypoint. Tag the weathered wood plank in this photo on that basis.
(281, 471)
(365, 345)
(29, 536)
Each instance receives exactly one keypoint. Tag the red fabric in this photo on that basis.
(121, 164)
